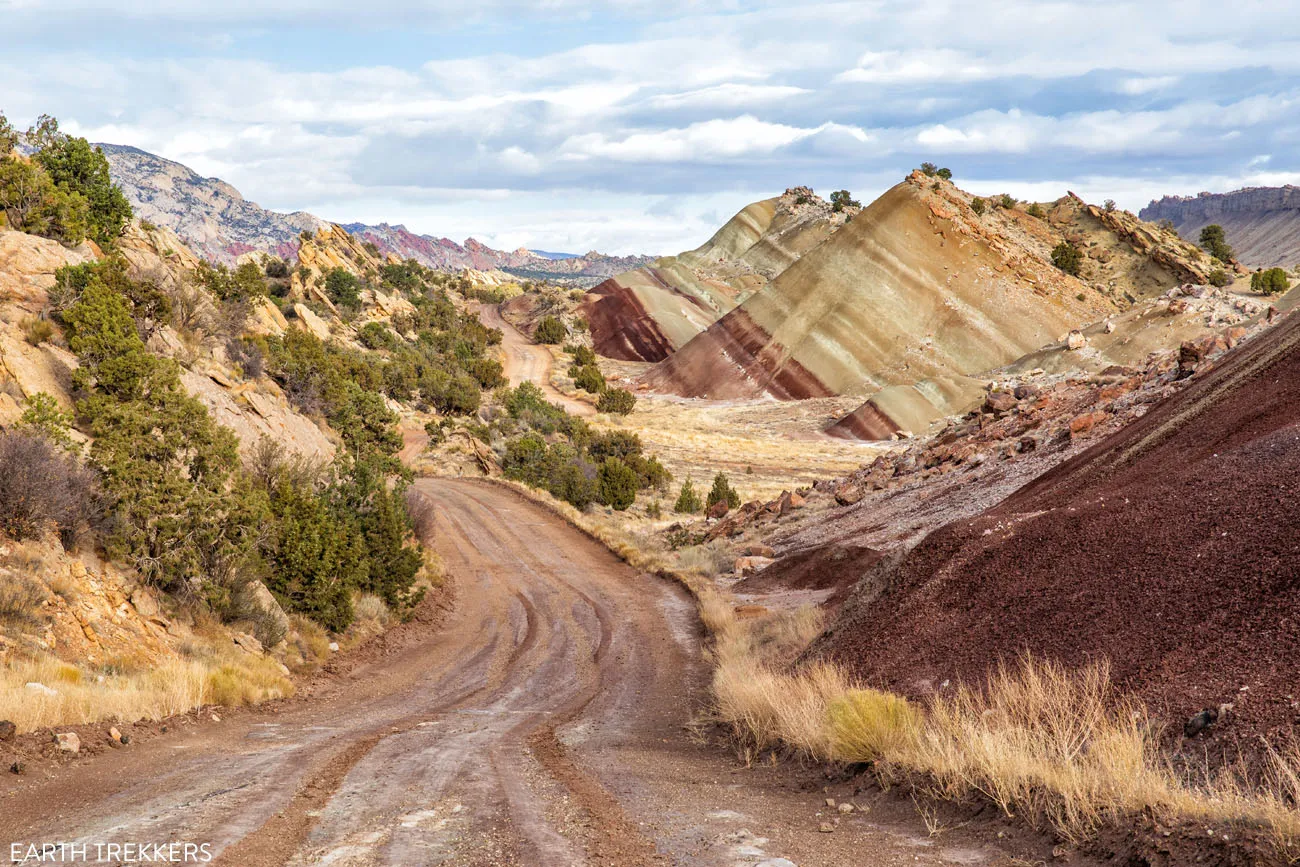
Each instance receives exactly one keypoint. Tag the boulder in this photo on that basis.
(41, 689)
(7, 730)
(266, 601)
(748, 565)
(757, 550)
(68, 742)
(849, 493)
(1075, 340)
(312, 323)
(718, 509)
(1085, 422)
(1000, 402)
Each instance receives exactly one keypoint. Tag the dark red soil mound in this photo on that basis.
(832, 566)
(620, 325)
(1171, 548)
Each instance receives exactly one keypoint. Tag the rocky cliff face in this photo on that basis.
(1262, 223)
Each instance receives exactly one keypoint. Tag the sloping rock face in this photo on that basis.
(919, 286)
(911, 288)
(1167, 548)
(1186, 313)
(219, 224)
(253, 408)
(207, 213)
(1261, 223)
(646, 314)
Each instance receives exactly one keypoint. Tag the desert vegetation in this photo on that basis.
(63, 190)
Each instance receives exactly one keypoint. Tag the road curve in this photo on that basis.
(525, 361)
(544, 722)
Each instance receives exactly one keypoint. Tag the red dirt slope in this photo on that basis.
(1170, 547)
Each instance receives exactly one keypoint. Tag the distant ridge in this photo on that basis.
(1261, 223)
(218, 223)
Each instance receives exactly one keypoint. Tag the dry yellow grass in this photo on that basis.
(1052, 745)
(81, 696)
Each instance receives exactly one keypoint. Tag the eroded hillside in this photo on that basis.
(922, 286)
(647, 314)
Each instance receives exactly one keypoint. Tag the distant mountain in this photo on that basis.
(208, 214)
(220, 224)
(1261, 223)
(445, 254)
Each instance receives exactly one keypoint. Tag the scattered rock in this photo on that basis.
(7, 730)
(1075, 340)
(830, 802)
(334, 647)
(247, 643)
(18, 768)
(719, 509)
(845, 808)
(849, 493)
(1085, 422)
(826, 828)
(41, 689)
(757, 550)
(747, 565)
(1000, 402)
(68, 742)
(114, 735)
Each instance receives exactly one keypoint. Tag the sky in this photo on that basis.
(631, 126)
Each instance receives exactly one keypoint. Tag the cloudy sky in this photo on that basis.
(639, 126)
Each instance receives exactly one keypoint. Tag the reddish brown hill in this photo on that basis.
(1169, 548)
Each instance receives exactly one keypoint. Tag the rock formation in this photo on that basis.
(1261, 223)
(920, 287)
(647, 314)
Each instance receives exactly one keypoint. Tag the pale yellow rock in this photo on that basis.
(311, 322)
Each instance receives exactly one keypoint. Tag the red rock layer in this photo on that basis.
(867, 422)
(621, 327)
(755, 365)
(1169, 548)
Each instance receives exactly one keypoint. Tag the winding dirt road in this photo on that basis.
(544, 721)
(527, 362)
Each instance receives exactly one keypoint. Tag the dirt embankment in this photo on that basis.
(1168, 548)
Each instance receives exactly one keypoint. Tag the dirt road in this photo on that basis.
(544, 722)
(525, 361)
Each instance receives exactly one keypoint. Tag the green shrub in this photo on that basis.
(1007, 202)
(376, 335)
(722, 491)
(978, 206)
(550, 330)
(589, 378)
(1272, 281)
(582, 355)
(617, 484)
(33, 203)
(1214, 240)
(1036, 210)
(1219, 277)
(842, 199)
(688, 502)
(44, 417)
(343, 288)
(619, 401)
(1067, 257)
(78, 169)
